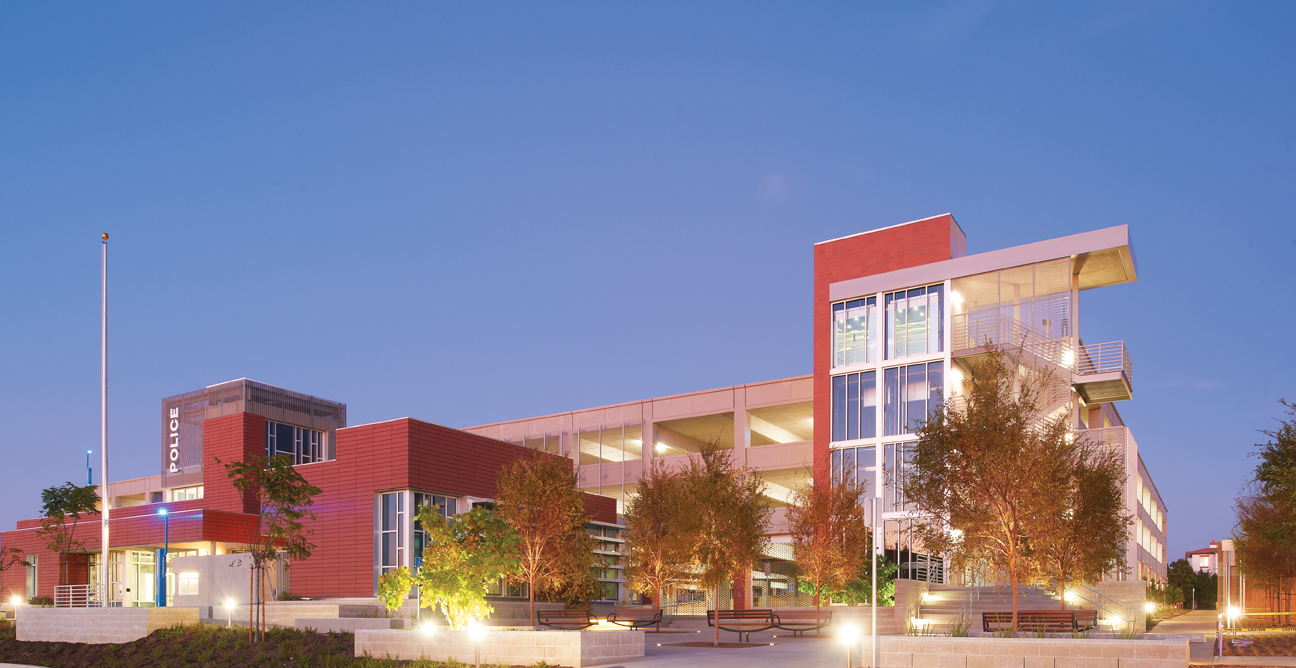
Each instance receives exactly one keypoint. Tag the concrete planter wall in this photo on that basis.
(351, 624)
(947, 652)
(563, 648)
(97, 625)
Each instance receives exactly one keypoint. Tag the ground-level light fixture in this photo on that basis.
(229, 613)
(17, 601)
(428, 628)
(1234, 612)
(1150, 606)
(849, 634)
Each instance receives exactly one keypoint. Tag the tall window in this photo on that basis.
(912, 392)
(305, 446)
(896, 459)
(858, 465)
(32, 579)
(855, 331)
(391, 532)
(915, 323)
(854, 406)
(445, 507)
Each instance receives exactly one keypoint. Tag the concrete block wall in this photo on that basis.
(97, 625)
(947, 652)
(564, 648)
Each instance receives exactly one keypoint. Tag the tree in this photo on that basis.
(728, 523)
(859, 589)
(393, 588)
(1265, 536)
(830, 534)
(461, 558)
(283, 498)
(10, 557)
(658, 549)
(58, 506)
(1087, 539)
(988, 469)
(538, 495)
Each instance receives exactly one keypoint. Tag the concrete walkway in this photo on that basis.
(1197, 622)
(786, 652)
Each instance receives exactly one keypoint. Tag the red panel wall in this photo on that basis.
(398, 454)
(231, 438)
(910, 245)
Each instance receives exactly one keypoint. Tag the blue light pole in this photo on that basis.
(161, 569)
(89, 472)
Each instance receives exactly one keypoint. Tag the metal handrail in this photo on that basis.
(1105, 357)
(1129, 615)
(79, 596)
(976, 329)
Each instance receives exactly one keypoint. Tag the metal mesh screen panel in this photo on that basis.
(237, 396)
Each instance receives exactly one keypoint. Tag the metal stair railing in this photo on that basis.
(1097, 600)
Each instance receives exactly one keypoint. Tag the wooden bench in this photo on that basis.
(636, 618)
(1086, 619)
(742, 622)
(800, 622)
(567, 620)
(1031, 620)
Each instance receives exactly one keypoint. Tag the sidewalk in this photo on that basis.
(1197, 622)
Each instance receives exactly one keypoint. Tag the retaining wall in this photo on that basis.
(563, 648)
(947, 652)
(97, 625)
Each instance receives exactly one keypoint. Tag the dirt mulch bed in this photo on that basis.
(1262, 645)
(201, 647)
(723, 645)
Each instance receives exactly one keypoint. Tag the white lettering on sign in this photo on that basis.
(175, 440)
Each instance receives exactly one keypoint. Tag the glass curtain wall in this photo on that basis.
(915, 323)
(912, 392)
(856, 333)
(854, 407)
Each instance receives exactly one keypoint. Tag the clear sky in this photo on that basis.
(473, 212)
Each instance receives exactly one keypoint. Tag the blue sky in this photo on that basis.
(472, 213)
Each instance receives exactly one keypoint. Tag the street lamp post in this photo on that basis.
(162, 557)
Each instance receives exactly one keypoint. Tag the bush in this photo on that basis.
(287, 596)
(43, 601)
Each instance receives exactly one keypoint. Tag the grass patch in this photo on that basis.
(203, 646)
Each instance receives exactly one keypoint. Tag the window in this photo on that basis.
(445, 507)
(186, 493)
(32, 579)
(915, 322)
(912, 392)
(855, 331)
(187, 585)
(391, 531)
(854, 406)
(857, 464)
(896, 456)
(305, 446)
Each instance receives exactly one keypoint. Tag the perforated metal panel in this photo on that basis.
(237, 396)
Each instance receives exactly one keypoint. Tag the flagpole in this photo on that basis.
(103, 429)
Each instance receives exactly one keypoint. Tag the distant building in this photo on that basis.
(1205, 560)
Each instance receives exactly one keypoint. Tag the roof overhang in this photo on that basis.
(1099, 258)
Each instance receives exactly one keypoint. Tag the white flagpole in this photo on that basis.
(103, 429)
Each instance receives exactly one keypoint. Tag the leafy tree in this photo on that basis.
(59, 505)
(460, 559)
(859, 589)
(1087, 539)
(829, 533)
(658, 549)
(538, 495)
(393, 588)
(990, 469)
(727, 526)
(283, 498)
(1265, 536)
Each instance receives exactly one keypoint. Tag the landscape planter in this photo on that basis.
(941, 651)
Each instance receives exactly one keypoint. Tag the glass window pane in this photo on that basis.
(895, 316)
(866, 465)
(916, 320)
(839, 334)
(936, 319)
(838, 408)
(848, 465)
(389, 512)
(868, 404)
(892, 413)
(450, 508)
(935, 383)
(852, 406)
(915, 397)
(835, 471)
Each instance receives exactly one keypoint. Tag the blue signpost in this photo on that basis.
(161, 558)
